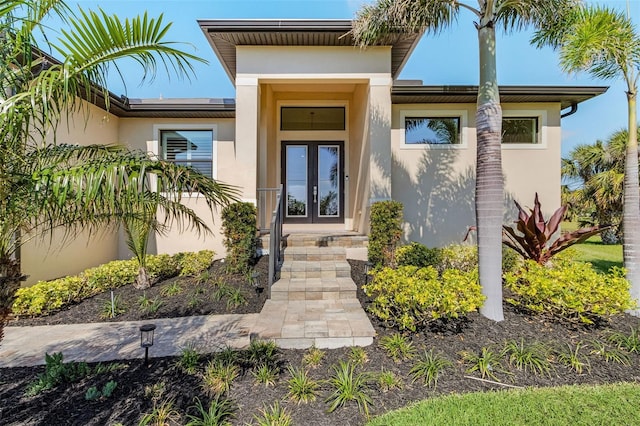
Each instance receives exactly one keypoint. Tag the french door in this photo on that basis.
(313, 175)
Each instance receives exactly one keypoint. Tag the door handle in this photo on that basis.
(315, 193)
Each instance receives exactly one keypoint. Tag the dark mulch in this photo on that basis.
(66, 404)
(197, 297)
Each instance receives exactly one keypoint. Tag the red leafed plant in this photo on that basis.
(532, 241)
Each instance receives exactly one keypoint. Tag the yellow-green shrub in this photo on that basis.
(571, 291)
(193, 263)
(409, 297)
(46, 296)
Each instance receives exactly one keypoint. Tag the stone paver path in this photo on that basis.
(93, 342)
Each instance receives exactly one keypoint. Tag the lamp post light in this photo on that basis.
(255, 281)
(367, 268)
(146, 339)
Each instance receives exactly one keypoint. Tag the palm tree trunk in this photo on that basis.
(10, 278)
(489, 180)
(143, 280)
(631, 209)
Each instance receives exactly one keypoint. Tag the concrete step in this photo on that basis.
(315, 269)
(315, 254)
(320, 323)
(313, 289)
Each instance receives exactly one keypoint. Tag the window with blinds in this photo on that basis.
(193, 148)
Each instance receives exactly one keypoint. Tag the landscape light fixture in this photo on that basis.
(255, 281)
(146, 339)
(367, 268)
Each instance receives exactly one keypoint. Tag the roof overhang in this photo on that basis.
(225, 35)
(567, 95)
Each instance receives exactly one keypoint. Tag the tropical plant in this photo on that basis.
(604, 43)
(302, 388)
(349, 386)
(262, 352)
(571, 357)
(388, 19)
(388, 380)
(527, 356)
(45, 186)
(486, 362)
(397, 346)
(609, 354)
(357, 355)
(162, 414)
(428, 368)
(218, 413)
(629, 342)
(265, 374)
(535, 240)
(597, 173)
(274, 415)
(313, 357)
(218, 376)
(188, 360)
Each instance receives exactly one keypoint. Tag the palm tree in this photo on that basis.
(604, 43)
(598, 171)
(46, 186)
(391, 18)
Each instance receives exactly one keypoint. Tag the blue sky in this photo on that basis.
(450, 58)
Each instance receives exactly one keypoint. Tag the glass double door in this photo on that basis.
(313, 175)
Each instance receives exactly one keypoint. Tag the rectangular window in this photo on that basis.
(432, 130)
(312, 118)
(193, 148)
(520, 130)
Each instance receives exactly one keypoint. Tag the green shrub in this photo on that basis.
(416, 254)
(193, 263)
(411, 297)
(240, 229)
(46, 296)
(56, 372)
(385, 233)
(570, 291)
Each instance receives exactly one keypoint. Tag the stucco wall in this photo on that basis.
(137, 132)
(47, 258)
(437, 184)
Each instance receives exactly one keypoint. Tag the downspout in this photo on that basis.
(573, 110)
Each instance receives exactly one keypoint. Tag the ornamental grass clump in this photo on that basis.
(410, 298)
(569, 291)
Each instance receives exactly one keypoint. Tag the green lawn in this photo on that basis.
(568, 405)
(600, 255)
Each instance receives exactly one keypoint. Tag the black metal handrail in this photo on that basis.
(275, 239)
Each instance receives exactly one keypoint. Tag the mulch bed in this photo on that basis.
(66, 404)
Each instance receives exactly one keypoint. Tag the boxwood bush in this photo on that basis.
(46, 296)
(569, 291)
(410, 297)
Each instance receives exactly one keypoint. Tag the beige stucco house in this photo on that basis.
(334, 126)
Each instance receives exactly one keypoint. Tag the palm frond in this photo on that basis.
(387, 20)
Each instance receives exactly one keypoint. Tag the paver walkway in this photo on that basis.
(93, 342)
(314, 303)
